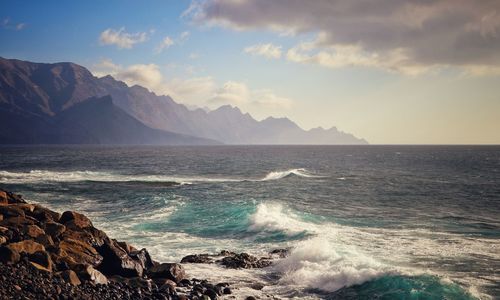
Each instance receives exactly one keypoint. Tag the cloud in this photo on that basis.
(165, 44)
(266, 50)
(412, 34)
(238, 94)
(121, 38)
(184, 36)
(198, 91)
(7, 24)
(191, 90)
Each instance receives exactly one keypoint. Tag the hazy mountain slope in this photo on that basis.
(55, 104)
(46, 90)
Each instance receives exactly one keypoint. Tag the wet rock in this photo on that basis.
(41, 260)
(54, 229)
(75, 251)
(3, 240)
(26, 247)
(17, 222)
(211, 293)
(9, 255)
(172, 271)
(45, 240)
(250, 298)
(227, 291)
(70, 277)
(146, 284)
(185, 282)
(142, 256)
(257, 286)
(43, 214)
(87, 272)
(7, 197)
(281, 253)
(11, 211)
(244, 261)
(116, 261)
(75, 220)
(33, 231)
(4, 200)
(197, 259)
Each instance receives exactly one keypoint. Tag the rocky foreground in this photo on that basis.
(48, 255)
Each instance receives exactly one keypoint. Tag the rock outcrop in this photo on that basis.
(47, 255)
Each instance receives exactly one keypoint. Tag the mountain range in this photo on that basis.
(64, 103)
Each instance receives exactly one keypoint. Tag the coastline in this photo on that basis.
(49, 255)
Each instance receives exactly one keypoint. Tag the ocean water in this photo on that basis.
(361, 222)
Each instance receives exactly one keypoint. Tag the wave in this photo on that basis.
(301, 172)
(35, 176)
(335, 256)
(38, 176)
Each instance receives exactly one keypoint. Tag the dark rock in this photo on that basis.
(211, 293)
(142, 256)
(197, 259)
(7, 197)
(76, 251)
(257, 286)
(3, 240)
(227, 291)
(116, 261)
(75, 220)
(245, 261)
(26, 247)
(185, 282)
(41, 260)
(172, 271)
(45, 240)
(281, 253)
(17, 222)
(146, 284)
(43, 214)
(54, 229)
(87, 272)
(33, 231)
(250, 298)
(70, 277)
(9, 211)
(9, 255)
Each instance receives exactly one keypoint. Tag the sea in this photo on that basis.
(360, 222)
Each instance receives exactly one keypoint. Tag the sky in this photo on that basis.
(388, 71)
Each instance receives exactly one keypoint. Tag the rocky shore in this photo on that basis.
(49, 255)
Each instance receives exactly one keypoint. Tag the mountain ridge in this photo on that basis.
(46, 90)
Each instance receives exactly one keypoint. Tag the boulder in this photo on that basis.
(3, 240)
(11, 211)
(9, 255)
(90, 235)
(172, 271)
(41, 260)
(116, 261)
(26, 247)
(143, 283)
(87, 272)
(70, 277)
(43, 214)
(32, 231)
(197, 259)
(4, 200)
(10, 197)
(281, 253)
(18, 221)
(244, 261)
(45, 240)
(75, 220)
(76, 251)
(54, 229)
(142, 256)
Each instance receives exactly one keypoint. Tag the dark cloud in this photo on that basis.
(428, 32)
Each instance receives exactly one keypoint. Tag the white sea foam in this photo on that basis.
(37, 176)
(275, 175)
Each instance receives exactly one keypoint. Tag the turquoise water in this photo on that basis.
(362, 222)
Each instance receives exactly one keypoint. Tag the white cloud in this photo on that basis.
(266, 50)
(238, 94)
(199, 91)
(194, 55)
(184, 36)
(413, 35)
(165, 44)
(121, 38)
(7, 24)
